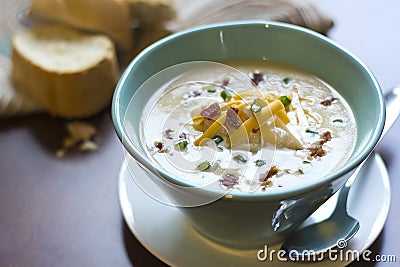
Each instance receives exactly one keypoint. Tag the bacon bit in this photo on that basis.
(160, 146)
(272, 171)
(265, 184)
(328, 102)
(225, 82)
(255, 130)
(228, 181)
(211, 111)
(168, 134)
(236, 110)
(266, 181)
(194, 93)
(316, 150)
(232, 119)
(325, 137)
(257, 77)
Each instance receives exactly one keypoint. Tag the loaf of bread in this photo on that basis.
(111, 17)
(71, 74)
(150, 18)
(151, 13)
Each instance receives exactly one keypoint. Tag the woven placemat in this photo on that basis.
(299, 12)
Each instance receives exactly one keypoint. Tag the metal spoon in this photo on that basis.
(320, 237)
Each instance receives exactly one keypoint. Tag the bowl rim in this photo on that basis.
(283, 193)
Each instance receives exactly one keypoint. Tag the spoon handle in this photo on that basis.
(392, 99)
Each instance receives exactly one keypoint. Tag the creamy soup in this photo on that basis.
(253, 127)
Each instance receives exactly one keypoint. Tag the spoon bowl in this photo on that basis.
(340, 227)
(318, 238)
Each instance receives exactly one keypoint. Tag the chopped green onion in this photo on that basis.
(285, 100)
(286, 80)
(256, 106)
(240, 159)
(226, 96)
(181, 145)
(306, 162)
(211, 89)
(308, 130)
(217, 139)
(300, 170)
(260, 162)
(338, 120)
(203, 166)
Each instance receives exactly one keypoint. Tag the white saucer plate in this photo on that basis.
(164, 231)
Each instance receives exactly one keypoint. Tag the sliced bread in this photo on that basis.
(71, 74)
(110, 17)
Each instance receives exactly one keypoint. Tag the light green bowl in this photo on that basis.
(238, 220)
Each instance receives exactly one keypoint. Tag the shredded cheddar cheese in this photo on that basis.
(251, 119)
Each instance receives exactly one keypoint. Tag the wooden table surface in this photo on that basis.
(65, 212)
